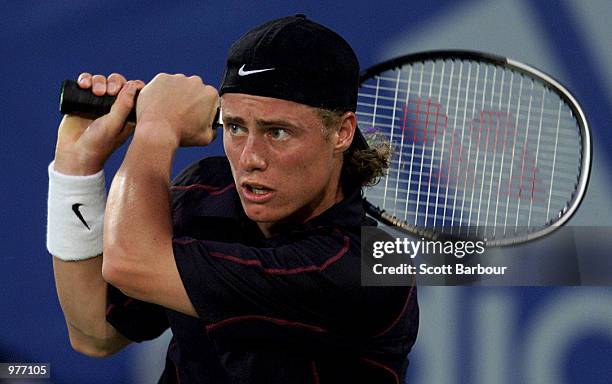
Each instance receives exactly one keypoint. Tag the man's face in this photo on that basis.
(285, 168)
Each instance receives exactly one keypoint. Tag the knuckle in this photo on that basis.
(211, 91)
(98, 83)
(98, 78)
(211, 94)
(196, 78)
(116, 77)
(126, 95)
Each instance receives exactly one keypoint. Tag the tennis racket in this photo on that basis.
(482, 147)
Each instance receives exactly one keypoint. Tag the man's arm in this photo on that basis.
(173, 110)
(82, 148)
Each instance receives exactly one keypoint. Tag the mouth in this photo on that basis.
(256, 193)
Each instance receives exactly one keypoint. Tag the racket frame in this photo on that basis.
(526, 69)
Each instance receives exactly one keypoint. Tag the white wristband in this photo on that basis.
(75, 215)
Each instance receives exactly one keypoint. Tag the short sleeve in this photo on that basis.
(136, 320)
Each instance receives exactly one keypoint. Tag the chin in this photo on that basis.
(261, 214)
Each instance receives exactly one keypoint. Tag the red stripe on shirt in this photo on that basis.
(287, 271)
(380, 365)
(112, 307)
(213, 191)
(401, 314)
(315, 374)
(283, 322)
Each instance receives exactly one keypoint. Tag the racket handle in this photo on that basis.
(74, 99)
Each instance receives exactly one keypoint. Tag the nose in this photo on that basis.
(253, 156)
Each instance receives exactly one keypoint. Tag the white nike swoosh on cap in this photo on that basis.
(242, 72)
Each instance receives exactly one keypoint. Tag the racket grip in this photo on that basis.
(74, 99)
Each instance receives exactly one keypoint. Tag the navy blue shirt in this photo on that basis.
(285, 309)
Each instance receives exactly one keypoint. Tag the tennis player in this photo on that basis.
(253, 260)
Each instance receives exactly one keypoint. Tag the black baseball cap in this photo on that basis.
(295, 59)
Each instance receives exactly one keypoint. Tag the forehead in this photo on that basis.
(251, 107)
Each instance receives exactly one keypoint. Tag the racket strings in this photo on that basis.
(473, 145)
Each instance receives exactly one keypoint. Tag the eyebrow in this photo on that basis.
(261, 123)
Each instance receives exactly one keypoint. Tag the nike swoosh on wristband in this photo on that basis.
(75, 209)
(242, 72)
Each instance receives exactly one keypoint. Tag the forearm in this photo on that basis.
(75, 242)
(82, 295)
(138, 222)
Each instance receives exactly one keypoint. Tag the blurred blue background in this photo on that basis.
(468, 335)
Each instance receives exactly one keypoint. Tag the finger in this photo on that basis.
(214, 95)
(98, 86)
(84, 80)
(71, 128)
(139, 84)
(123, 105)
(114, 83)
(211, 135)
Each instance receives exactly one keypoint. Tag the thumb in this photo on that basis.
(126, 99)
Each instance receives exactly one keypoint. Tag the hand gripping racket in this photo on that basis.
(482, 147)
(74, 99)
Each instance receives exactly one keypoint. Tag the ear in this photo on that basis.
(346, 132)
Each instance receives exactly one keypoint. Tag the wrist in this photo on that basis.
(157, 133)
(71, 164)
(75, 215)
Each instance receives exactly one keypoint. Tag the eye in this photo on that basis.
(235, 130)
(279, 134)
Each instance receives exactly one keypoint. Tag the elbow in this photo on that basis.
(119, 275)
(87, 350)
(99, 349)
(120, 272)
(130, 267)
(115, 265)
(113, 272)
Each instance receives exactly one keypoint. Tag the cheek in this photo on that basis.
(232, 151)
(308, 174)
(227, 144)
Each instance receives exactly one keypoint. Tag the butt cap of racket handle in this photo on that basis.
(74, 99)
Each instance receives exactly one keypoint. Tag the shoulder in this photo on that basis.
(213, 171)
(205, 189)
(205, 182)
